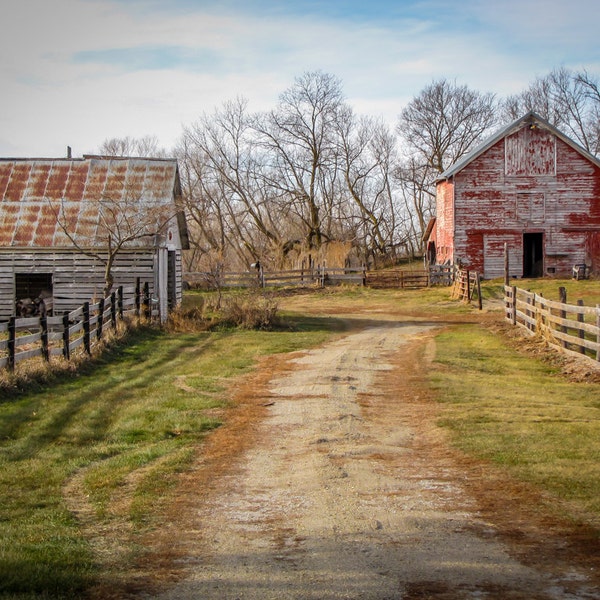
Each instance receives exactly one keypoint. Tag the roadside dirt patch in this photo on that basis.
(331, 480)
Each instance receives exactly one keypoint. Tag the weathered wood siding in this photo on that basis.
(528, 182)
(76, 278)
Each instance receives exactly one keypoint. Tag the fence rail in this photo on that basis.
(60, 335)
(319, 276)
(260, 278)
(571, 328)
(398, 278)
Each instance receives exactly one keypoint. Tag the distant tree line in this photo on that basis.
(311, 181)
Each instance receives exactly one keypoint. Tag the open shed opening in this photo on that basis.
(33, 285)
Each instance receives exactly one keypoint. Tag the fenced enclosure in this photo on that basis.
(318, 276)
(321, 276)
(60, 335)
(570, 328)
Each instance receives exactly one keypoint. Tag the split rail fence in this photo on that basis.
(570, 328)
(61, 335)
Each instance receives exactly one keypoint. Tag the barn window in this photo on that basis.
(31, 285)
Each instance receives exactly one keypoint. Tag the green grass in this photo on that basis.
(587, 290)
(517, 412)
(132, 420)
(127, 423)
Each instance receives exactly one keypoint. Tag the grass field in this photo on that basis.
(101, 450)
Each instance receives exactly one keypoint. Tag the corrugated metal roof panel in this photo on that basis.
(41, 198)
(5, 171)
(17, 182)
(76, 180)
(57, 182)
(9, 217)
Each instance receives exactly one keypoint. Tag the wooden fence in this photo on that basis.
(320, 276)
(467, 286)
(571, 328)
(61, 335)
(397, 278)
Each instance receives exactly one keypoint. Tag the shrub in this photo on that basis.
(250, 311)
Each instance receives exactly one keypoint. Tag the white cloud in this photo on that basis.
(76, 72)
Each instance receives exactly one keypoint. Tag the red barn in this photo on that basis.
(528, 186)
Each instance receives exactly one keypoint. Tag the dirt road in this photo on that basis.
(349, 490)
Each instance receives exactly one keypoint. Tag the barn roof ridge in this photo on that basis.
(83, 158)
(503, 132)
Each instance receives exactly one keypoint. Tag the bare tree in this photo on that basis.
(439, 126)
(368, 158)
(300, 139)
(227, 196)
(567, 99)
(147, 146)
(120, 225)
(445, 121)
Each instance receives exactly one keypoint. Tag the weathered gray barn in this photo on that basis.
(61, 218)
(528, 186)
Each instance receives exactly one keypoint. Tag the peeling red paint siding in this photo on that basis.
(444, 222)
(528, 187)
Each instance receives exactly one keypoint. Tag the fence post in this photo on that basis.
(478, 282)
(514, 307)
(468, 286)
(12, 340)
(66, 340)
(506, 264)
(581, 332)
(44, 337)
(113, 310)
(100, 324)
(562, 291)
(147, 306)
(86, 328)
(120, 302)
(598, 335)
(138, 297)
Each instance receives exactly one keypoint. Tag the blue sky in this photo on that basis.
(75, 72)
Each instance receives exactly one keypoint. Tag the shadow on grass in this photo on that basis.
(118, 376)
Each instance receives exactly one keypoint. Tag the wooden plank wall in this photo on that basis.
(77, 278)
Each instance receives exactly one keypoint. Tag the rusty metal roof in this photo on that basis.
(47, 203)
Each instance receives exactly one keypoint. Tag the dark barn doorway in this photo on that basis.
(34, 286)
(533, 254)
